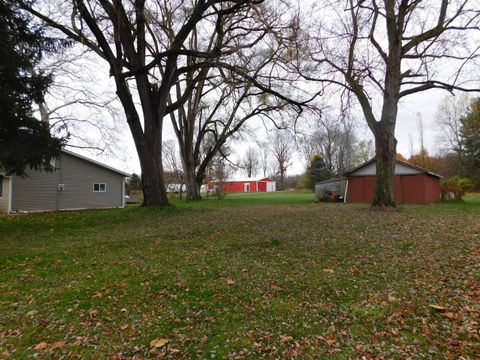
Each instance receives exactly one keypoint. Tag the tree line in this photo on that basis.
(209, 66)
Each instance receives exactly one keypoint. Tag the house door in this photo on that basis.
(246, 187)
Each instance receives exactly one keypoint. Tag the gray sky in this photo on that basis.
(426, 104)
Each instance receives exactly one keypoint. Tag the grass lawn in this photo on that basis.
(252, 276)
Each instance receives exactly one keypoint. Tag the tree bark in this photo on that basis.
(385, 146)
(193, 190)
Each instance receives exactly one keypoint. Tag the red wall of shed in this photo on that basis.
(409, 189)
(238, 186)
(262, 186)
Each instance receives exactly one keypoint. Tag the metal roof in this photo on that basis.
(266, 179)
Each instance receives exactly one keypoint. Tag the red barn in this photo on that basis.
(413, 184)
(246, 185)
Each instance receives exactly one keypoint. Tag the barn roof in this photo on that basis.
(267, 179)
(404, 163)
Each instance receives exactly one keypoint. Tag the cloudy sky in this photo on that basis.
(422, 105)
(123, 156)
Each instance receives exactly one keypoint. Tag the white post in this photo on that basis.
(345, 196)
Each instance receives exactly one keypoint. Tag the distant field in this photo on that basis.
(271, 275)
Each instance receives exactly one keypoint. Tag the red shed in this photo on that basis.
(413, 184)
(247, 185)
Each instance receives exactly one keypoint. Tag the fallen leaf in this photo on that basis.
(469, 309)
(98, 295)
(275, 286)
(244, 270)
(124, 327)
(328, 271)
(41, 346)
(391, 298)
(401, 313)
(331, 340)
(437, 308)
(158, 343)
(31, 313)
(230, 281)
(450, 315)
(58, 345)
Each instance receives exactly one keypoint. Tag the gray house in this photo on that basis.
(77, 183)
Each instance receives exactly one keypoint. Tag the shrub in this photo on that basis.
(454, 188)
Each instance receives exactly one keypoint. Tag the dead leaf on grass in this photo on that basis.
(275, 286)
(158, 343)
(41, 346)
(331, 340)
(450, 315)
(437, 308)
(328, 271)
(58, 345)
(230, 281)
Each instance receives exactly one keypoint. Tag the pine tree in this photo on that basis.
(317, 171)
(470, 131)
(24, 140)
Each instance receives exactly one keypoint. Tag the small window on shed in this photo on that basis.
(1, 186)
(99, 187)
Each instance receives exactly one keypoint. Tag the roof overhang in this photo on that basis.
(404, 163)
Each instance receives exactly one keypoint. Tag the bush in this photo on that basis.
(466, 184)
(454, 188)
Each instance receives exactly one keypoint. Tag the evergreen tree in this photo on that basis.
(24, 140)
(317, 171)
(470, 131)
(135, 182)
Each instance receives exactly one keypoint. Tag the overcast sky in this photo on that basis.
(422, 105)
(407, 132)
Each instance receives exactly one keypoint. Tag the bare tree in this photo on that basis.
(78, 108)
(331, 138)
(173, 165)
(147, 47)
(383, 51)
(264, 156)
(449, 115)
(364, 151)
(282, 146)
(228, 96)
(250, 162)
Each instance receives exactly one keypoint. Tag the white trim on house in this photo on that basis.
(123, 193)
(10, 194)
(100, 188)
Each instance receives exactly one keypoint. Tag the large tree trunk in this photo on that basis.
(188, 161)
(385, 146)
(153, 184)
(193, 190)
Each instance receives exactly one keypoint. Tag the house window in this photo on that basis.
(1, 186)
(99, 187)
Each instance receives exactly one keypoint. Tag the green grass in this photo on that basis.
(251, 276)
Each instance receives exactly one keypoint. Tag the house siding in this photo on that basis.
(39, 191)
